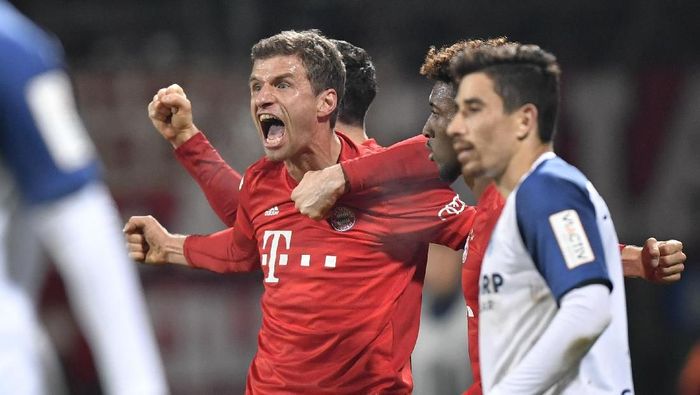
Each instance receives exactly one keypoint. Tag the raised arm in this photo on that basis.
(171, 114)
(215, 177)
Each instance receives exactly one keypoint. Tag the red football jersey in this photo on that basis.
(218, 181)
(404, 162)
(342, 296)
(488, 210)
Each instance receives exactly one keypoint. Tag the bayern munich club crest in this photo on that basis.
(341, 218)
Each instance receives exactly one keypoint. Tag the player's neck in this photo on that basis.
(356, 133)
(519, 164)
(323, 151)
(478, 185)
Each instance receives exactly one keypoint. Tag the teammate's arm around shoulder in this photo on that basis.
(318, 191)
(171, 114)
(405, 161)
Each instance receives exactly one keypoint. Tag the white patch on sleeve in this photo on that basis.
(50, 99)
(455, 207)
(571, 238)
(240, 186)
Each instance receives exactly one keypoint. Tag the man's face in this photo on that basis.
(442, 110)
(283, 105)
(484, 136)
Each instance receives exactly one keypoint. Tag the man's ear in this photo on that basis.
(327, 103)
(526, 121)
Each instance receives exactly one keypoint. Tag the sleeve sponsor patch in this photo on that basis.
(571, 238)
(455, 207)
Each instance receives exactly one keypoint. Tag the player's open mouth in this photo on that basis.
(273, 129)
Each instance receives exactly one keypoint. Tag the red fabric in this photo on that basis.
(215, 177)
(409, 162)
(341, 309)
(215, 252)
(488, 210)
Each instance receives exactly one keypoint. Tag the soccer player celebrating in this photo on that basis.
(406, 162)
(219, 181)
(342, 297)
(220, 184)
(552, 298)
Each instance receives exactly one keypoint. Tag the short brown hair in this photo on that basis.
(521, 74)
(436, 66)
(322, 61)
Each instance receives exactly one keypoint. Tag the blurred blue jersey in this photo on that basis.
(43, 142)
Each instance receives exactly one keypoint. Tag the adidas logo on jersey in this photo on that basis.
(273, 211)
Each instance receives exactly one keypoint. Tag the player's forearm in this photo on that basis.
(632, 265)
(579, 322)
(403, 161)
(174, 250)
(183, 137)
(216, 252)
(215, 177)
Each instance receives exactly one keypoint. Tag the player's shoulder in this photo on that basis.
(552, 182)
(350, 150)
(552, 174)
(490, 196)
(371, 145)
(22, 37)
(262, 169)
(26, 50)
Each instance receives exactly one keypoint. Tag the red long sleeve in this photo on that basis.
(405, 160)
(215, 177)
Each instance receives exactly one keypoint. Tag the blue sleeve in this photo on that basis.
(28, 53)
(567, 251)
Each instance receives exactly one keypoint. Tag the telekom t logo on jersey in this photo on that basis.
(276, 258)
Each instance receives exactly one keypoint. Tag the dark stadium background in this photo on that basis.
(631, 94)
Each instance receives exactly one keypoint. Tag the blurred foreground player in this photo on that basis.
(342, 297)
(53, 166)
(552, 300)
(20, 359)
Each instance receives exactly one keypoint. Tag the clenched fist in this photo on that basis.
(171, 114)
